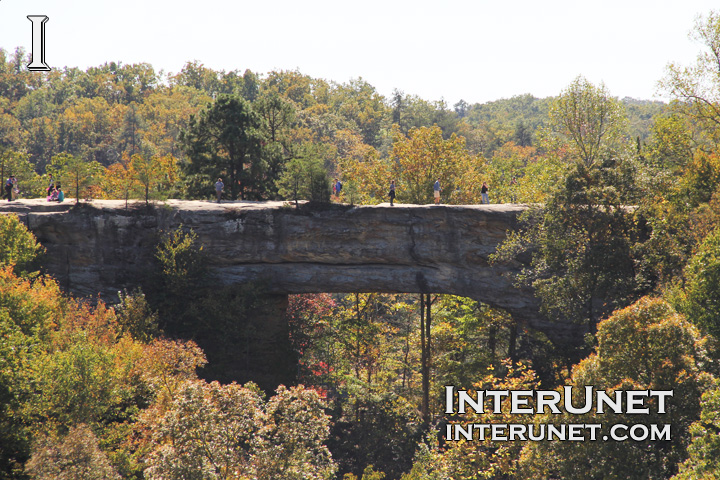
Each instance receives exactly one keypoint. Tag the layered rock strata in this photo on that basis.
(102, 248)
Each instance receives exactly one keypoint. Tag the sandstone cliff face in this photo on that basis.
(102, 248)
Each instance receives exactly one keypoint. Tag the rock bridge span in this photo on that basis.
(101, 248)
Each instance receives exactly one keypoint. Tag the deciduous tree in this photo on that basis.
(699, 298)
(120, 180)
(590, 119)
(75, 174)
(18, 246)
(581, 239)
(154, 172)
(698, 86)
(211, 431)
(646, 346)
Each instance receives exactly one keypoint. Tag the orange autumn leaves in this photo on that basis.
(416, 161)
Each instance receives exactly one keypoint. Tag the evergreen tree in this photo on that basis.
(226, 140)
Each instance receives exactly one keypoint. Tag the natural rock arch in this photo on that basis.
(102, 248)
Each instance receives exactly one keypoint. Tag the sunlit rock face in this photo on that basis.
(104, 247)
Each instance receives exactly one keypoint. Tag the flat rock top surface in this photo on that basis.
(42, 205)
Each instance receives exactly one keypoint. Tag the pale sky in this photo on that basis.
(477, 50)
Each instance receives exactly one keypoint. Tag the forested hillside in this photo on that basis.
(621, 238)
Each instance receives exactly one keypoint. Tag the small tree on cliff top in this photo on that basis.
(76, 174)
(154, 172)
(119, 180)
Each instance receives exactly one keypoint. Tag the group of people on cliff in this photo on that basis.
(337, 188)
(12, 190)
(54, 191)
(437, 188)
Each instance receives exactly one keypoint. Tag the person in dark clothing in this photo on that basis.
(8, 188)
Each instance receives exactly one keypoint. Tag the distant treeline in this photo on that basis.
(109, 113)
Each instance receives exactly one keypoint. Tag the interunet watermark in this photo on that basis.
(531, 402)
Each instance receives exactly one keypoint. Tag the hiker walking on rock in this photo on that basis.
(436, 191)
(219, 186)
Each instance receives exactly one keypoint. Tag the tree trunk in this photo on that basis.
(492, 340)
(512, 343)
(425, 322)
(358, 319)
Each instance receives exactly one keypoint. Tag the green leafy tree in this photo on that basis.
(211, 431)
(167, 112)
(198, 76)
(28, 309)
(699, 299)
(704, 450)
(87, 127)
(18, 246)
(371, 418)
(136, 317)
(670, 147)
(15, 437)
(17, 164)
(700, 180)
(206, 433)
(368, 474)
(154, 173)
(424, 156)
(484, 458)
(590, 120)
(581, 245)
(292, 443)
(581, 239)
(180, 261)
(305, 177)
(76, 174)
(278, 113)
(225, 141)
(646, 346)
(129, 140)
(359, 102)
(698, 86)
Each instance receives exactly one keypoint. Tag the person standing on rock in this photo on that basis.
(8, 188)
(436, 191)
(484, 193)
(392, 192)
(15, 189)
(219, 186)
